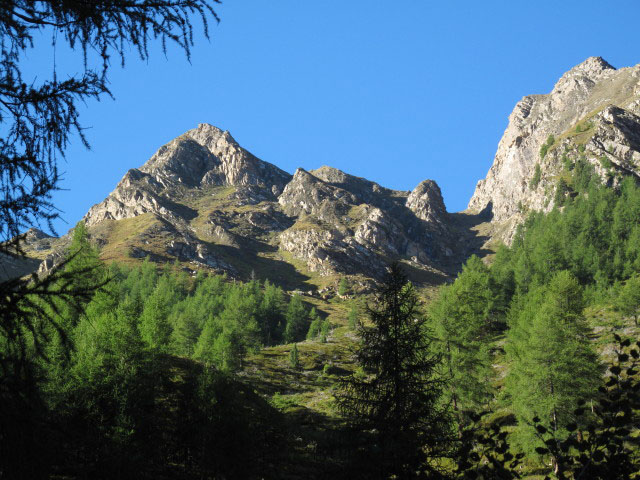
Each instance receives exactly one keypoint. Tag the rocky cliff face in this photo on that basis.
(204, 156)
(592, 111)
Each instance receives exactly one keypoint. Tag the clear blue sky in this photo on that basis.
(396, 92)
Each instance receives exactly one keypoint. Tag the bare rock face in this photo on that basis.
(204, 156)
(349, 224)
(330, 251)
(237, 166)
(593, 107)
(426, 202)
(307, 194)
(133, 196)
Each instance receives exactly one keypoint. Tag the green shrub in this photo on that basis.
(545, 146)
(537, 174)
(294, 359)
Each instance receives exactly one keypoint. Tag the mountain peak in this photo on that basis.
(211, 136)
(592, 68)
(575, 118)
(593, 64)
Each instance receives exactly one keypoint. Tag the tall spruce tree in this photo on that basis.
(154, 322)
(397, 400)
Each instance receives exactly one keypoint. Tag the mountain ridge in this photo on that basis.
(205, 201)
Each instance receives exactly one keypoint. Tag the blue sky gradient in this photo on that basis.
(396, 92)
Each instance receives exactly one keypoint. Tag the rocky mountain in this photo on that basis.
(206, 202)
(593, 112)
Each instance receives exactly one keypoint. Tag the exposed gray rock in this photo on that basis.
(201, 157)
(426, 202)
(307, 194)
(204, 195)
(330, 251)
(604, 100)
(237, 166)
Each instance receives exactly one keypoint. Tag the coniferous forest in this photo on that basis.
(498, 376)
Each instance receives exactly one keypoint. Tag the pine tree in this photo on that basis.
(343, 287)
(271, 314)
(315, 326)
(397, 400)
(186, 330)
(227, 337)
(87, 270)
(155, 327)
(352, 317)
(325, 328)
(552, 363)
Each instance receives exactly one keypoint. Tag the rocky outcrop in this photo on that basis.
(426, 202)
(364, 190)
(331, 251)
(349, 224)
(617, 137)
(307, 194)
(593, 107)
(205, 200)
(237, 166)
(136, 194)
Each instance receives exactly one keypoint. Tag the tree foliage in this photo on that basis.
(39, 116)
(397, 400)
(461, 322)
(552, 362)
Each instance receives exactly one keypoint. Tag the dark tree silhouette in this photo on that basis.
(394, 400)
(38, 119)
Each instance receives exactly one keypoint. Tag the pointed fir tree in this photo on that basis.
(352, 317)
(315, 326)
(297, 320)
(155, 327)
(343, 287)
(325, 329)
(395, 403)
(271, 314)
(294, 357)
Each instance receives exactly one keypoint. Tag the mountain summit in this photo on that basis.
(592, 112)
